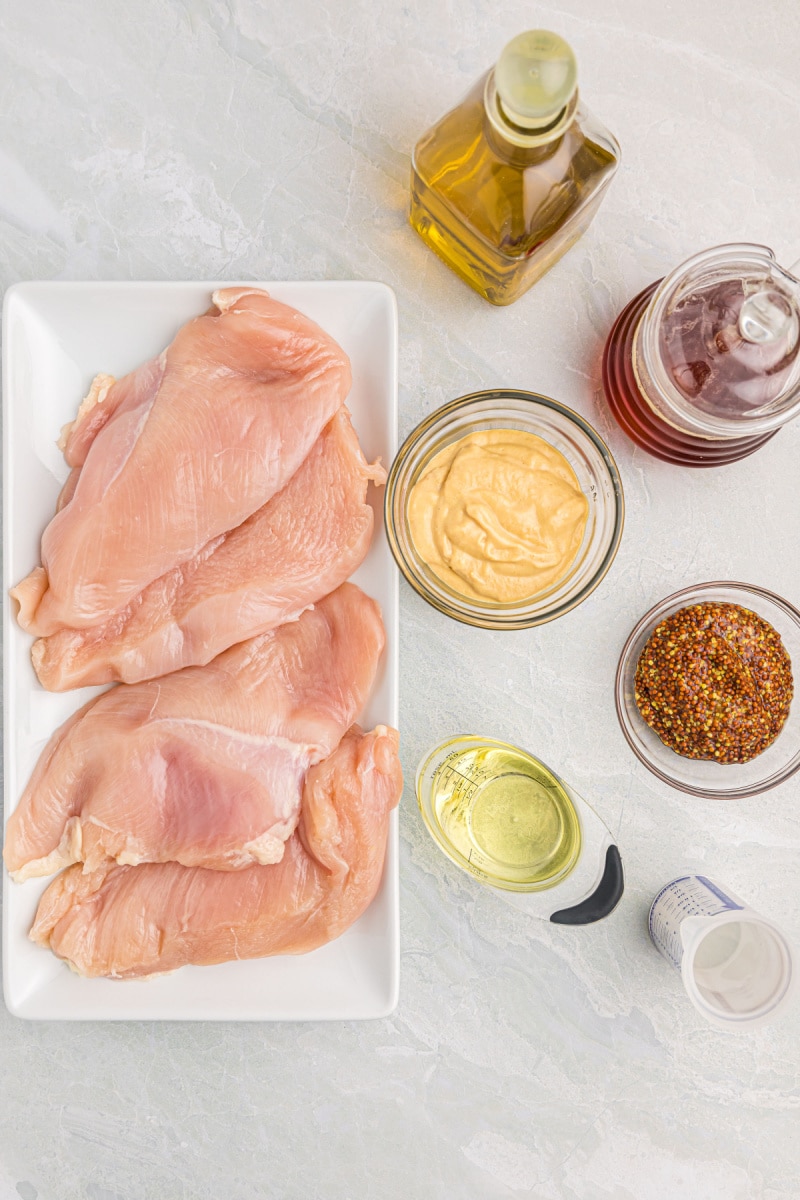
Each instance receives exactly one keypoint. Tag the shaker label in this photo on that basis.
(689, 896)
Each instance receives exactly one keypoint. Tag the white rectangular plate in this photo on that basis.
(57, 336)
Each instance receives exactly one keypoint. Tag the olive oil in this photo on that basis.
(505, 183)
(499, 813)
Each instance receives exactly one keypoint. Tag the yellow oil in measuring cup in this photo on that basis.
(499, 813)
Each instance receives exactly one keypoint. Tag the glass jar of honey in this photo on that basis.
(703, 367)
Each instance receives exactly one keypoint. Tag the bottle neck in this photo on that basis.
(523, 145)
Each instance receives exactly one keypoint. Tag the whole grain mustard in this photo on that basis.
(498, 515)
(714, 681)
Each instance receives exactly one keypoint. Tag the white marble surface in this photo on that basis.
(254, 138)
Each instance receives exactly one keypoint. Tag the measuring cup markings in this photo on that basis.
(503, 816)
(689, 896)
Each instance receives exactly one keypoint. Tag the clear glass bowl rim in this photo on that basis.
(694, 593)
(491, 617)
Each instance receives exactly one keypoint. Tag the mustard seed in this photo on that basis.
(715, 681)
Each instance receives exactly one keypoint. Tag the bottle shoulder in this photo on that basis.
(593, 130)
(453, 134)
(466, 130)
(510, 197)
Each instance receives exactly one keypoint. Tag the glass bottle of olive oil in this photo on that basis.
(505, 183)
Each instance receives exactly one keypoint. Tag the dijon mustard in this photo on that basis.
(498, 515)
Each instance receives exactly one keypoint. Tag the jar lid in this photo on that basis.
(720, 342)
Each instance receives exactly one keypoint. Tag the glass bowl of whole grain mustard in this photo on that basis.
(705, 690)
(504, 509)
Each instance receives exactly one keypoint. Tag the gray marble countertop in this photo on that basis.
(174, 139)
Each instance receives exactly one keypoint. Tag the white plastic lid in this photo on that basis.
(536, 77)
(738, 970)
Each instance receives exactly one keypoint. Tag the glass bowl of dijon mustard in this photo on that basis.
(705, 690)
(504, 509)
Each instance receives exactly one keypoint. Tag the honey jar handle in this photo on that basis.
(766, 317)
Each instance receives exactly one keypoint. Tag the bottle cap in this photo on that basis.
(536, 76)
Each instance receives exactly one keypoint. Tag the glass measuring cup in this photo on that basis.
(506, 819)
(703, 367)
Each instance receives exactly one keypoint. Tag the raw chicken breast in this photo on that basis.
(301, 545)
(180, 451)
(206, 766)
(134, 921)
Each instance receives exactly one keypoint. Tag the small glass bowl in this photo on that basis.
(586, 453)
(703, 777)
